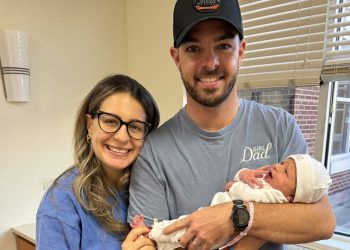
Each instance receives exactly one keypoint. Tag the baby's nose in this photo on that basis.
(276, 167)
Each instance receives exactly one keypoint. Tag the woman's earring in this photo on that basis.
(88, 139)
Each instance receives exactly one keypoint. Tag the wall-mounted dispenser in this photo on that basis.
(15, 65)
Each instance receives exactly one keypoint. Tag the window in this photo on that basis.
(336, 71)
(339, 156)
(285, 42)
(341, 131)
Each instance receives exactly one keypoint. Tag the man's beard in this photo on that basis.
(206, 99)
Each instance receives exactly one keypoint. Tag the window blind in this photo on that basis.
(285, 42)
(337, 58)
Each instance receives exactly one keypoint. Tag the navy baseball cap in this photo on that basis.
(187, 13)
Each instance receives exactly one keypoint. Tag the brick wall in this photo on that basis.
(304, 109)
(278, 97)
(340, 182)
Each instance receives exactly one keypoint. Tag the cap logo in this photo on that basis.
(206, 5)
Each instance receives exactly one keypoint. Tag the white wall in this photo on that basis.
(149, 27)
(73, 44)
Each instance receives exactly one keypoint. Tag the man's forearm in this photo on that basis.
(249, 242)
(293, 222)
(280, 223)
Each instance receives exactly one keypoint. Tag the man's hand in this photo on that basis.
(206, 228)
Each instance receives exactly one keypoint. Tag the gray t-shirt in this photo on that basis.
(181, 167)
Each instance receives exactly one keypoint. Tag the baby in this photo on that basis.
(299, 178)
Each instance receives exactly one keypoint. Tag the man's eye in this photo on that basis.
(224, 46)
(192, 49)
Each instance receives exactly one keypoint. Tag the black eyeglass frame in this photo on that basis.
(99, 113)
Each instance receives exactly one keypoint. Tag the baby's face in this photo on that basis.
(282, 176)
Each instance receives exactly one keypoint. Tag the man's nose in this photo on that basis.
(210, 59)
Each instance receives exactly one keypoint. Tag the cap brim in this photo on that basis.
(183, 33)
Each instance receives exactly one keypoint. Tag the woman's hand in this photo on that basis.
(135, 240)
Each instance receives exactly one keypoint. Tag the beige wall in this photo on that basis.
(73, 44)
(149, 27)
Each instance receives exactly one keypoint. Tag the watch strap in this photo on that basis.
(243, 233)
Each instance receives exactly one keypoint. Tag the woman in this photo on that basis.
(86, 207)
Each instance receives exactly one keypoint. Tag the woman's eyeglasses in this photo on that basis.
(111, 123)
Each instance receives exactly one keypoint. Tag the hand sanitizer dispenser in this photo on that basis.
(15, 65)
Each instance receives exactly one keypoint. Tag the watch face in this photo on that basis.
(241, 217)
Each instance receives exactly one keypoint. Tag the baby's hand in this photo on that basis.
(250, 176)
(229, 185)
(138, 221)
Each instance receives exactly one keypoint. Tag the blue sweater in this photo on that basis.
(62, 223)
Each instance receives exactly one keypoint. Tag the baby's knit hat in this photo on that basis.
(313, 180)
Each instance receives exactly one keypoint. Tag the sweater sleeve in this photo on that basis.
(52, 233)
(58, 222)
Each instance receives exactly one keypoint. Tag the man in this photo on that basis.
(184, 163)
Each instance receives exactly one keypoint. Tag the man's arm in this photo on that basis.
(293, 222)
(249, 243)
(279, 223)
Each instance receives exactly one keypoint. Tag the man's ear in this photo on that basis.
(174, 52)
(242, 46)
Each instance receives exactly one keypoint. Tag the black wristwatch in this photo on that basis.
(240, 215)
